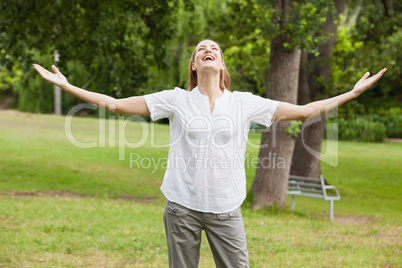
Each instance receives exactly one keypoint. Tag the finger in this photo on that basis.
(41, 70)
(37, 67)
(364, 77)
(55, 69)
(379, 74)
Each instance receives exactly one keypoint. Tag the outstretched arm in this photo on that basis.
(287, 111)
(133, 105)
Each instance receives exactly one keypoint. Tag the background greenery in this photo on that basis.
(127, 47)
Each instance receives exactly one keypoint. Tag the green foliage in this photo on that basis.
(194, 21)
(363, 130)
(382, 38)
(304, 24)
(294, 128)
(367, 40)
(245, 32)
(117, 41)
(126, 47)
(247, 62)
(343, 63)
(9, 77)
(392, 123)
(390, 119)
(35, 94)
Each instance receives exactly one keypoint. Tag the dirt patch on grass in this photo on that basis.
(61, 194)
(353, 219)
(64, 194)
(347, 219)
(393, 140)
(143, 199)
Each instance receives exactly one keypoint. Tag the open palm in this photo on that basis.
(365, 82)
(56, 78)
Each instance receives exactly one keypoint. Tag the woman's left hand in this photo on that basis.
(365, 82)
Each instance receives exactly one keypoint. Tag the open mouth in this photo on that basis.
(208, 58)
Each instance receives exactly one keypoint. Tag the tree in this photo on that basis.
(314, 78)
(120, 42)
(277, 143)
(297, 24)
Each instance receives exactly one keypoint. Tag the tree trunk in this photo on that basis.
(271, 179)
(303, 162)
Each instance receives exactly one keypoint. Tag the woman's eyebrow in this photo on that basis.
(205, 46)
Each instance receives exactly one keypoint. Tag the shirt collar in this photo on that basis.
(202, 96)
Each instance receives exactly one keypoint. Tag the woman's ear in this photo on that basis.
(223, 67)
(193, 67)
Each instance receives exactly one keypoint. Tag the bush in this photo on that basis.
(361, 129)
(35, 95)
(392, 123)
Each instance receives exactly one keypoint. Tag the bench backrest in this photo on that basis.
(312, 187)
(307, 185)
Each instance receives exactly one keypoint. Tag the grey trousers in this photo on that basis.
(224, 231)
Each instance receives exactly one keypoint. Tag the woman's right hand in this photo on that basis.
(56, 78)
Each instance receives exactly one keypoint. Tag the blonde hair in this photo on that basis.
(224, 81)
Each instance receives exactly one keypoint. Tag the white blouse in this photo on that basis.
(205, 169)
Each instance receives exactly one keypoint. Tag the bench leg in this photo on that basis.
(292, 202)
(331, 210)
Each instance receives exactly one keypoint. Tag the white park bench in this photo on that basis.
(313, 188)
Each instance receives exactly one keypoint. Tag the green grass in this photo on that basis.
(96, 230)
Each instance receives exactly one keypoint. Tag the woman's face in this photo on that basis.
(208, 57)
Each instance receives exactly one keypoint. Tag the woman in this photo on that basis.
(205, 183)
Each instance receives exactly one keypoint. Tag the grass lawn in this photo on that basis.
(64, 206)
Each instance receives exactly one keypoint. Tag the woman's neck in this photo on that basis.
(208, 84)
